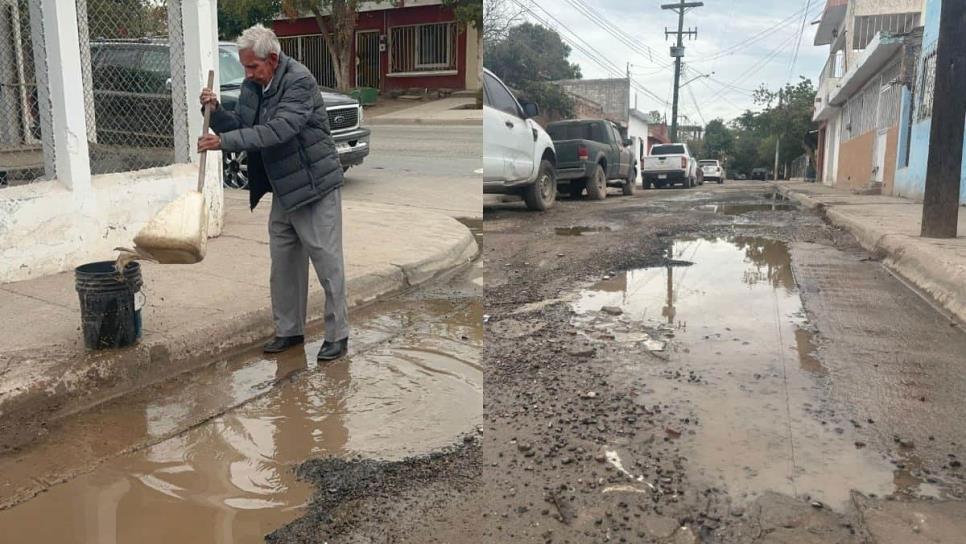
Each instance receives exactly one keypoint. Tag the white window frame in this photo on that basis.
(427, 69)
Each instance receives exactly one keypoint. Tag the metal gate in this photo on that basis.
(311, 51)
(367, 59)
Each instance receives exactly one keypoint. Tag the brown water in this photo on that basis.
(411, 385)
(735, 319)
(741, 209)
(580, 231)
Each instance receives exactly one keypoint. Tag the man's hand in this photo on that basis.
(209, 97)
(209, 142)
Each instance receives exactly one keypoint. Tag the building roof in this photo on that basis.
(832, 18)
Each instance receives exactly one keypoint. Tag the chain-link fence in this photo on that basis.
(128, 83)
(21, 130)
(131, 66)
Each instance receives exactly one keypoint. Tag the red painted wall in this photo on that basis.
(383, 20)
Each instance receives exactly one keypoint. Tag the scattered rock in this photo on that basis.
(612, 310)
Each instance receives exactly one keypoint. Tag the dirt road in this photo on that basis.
(711, 365)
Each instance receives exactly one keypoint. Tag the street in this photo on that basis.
(711, 364)
(428, 167)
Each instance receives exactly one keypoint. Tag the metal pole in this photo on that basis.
(680, 8)
(778, 142)
(677, 77)
(940, 207)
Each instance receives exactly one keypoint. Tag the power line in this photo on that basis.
(798, 43)
(617, 32)
(586, 49)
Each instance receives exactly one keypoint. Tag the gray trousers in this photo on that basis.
(313, 232)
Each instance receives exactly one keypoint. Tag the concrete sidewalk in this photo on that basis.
(198, 313)
(447, 111)
(889, 227)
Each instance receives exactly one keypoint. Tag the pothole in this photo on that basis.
(741, 357)
(581, 231)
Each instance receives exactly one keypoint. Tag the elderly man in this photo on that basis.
(281, 123)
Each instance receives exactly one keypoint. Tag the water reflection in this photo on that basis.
(739, 326)
(231, 479)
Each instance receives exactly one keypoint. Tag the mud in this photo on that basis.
(212, 457)
(665, 383)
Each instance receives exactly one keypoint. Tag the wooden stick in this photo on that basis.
(204, 132)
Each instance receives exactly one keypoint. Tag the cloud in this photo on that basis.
(722, 25)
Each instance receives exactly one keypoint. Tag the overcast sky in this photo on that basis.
(725, 28)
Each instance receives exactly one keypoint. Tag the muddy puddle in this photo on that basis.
(726, 341)
(411, 385)
(581, 231)
(742, 209)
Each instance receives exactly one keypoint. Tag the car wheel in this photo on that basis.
(541, 194)
(720, 181)
(630, 184)
(689, 183)
(597, 186)
(235, 170)
(647, 184)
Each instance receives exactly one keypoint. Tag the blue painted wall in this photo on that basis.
(911, 179)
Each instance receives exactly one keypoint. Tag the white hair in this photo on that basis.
(259, 40)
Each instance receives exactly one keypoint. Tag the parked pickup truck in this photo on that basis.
(518, 155)
(669, 164)
(592, 155)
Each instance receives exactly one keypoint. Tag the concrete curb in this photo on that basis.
(98, 378)
(375, 122)
(924, 265)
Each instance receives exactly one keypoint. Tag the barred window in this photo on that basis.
(423, 48)
(925, 87)
(312, 51)
(867, 26)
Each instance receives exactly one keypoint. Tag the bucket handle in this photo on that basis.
(204, 131)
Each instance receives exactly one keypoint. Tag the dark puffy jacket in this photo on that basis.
(291, 134)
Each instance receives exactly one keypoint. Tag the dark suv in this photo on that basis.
(132, 81)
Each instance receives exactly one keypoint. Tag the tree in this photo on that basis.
(337, 23)
(528, 59)
(530, 52)
(470, 13)
(126, 19)
(234, 16)
(718, 141)
(499, 16)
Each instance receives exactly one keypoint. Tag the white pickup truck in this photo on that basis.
(668, 164)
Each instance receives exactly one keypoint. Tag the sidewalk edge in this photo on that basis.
(923, 265)
(96, 380)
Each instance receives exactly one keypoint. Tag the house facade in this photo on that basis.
(859, 90)
(398, 45)
(916, 114)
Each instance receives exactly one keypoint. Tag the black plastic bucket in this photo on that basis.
(110, 304)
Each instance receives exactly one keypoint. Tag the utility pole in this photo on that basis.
(940, 206)
(778, 142)
(677, 52)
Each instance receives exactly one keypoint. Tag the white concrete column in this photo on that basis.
(66, 105)
(83, 32)
(197, 21)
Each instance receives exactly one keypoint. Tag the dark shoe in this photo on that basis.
(282, 343)
(333, 350)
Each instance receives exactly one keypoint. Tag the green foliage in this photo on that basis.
(718, 141)
(468, 12)
(126, 19)
(528, 59)
(530, 53)
(234, 16)
(748, 141)
(551, 98)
